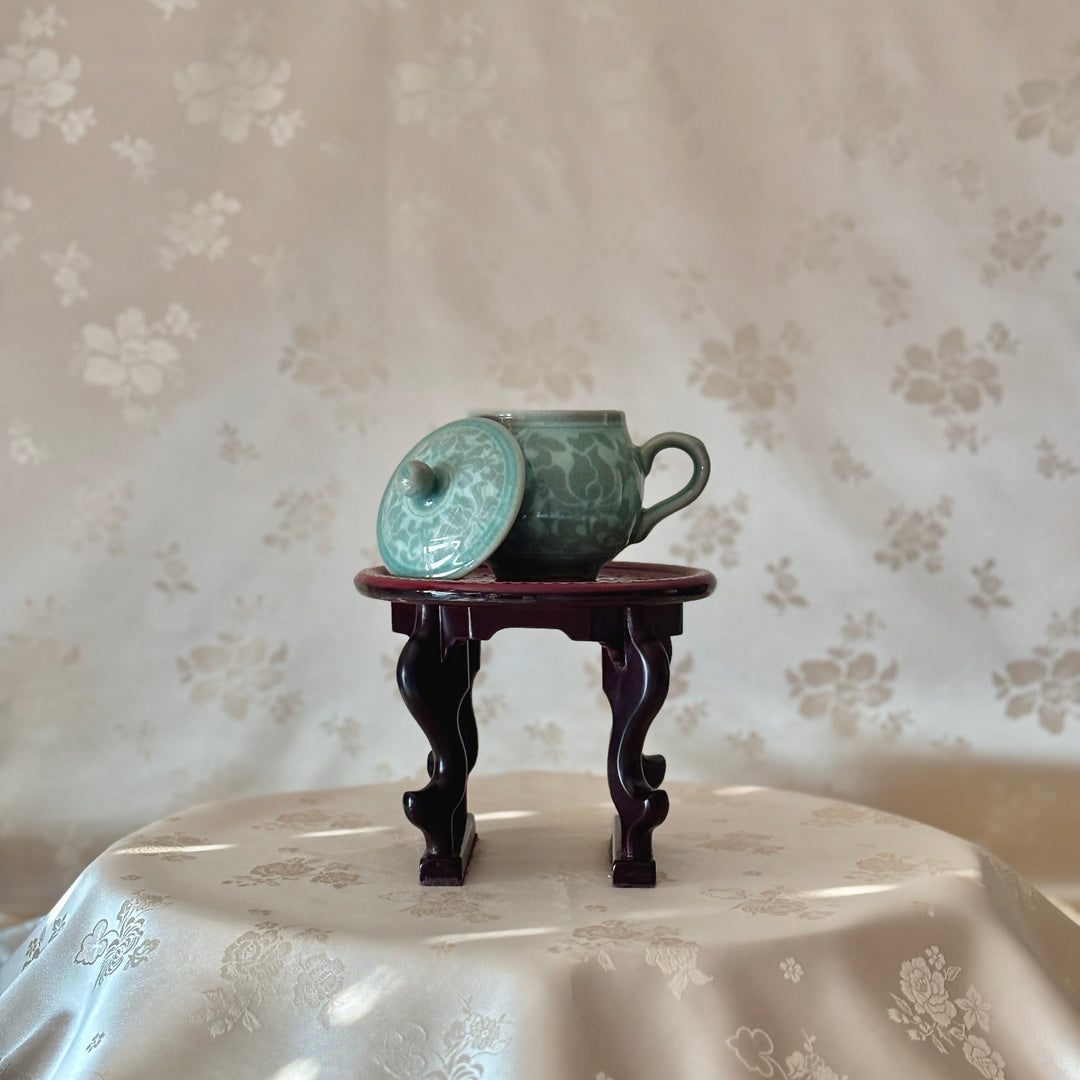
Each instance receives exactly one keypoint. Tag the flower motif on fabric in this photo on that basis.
(12, 205)
(174, 572)
(134, 359)
(24, 447)
(990, 596)
(98, 514)
(468, 906)
(1048, 106)
(687, 712)
(775, 901)
(407, 1053)
(68, 267)
(542, 362)
(1019, 245)
(1051, 464)
(344, 373)
(915, 536)
(755, 1049)
(754, 376)
(447, 92)
(196, 229)
(840, 815)
(169, 7)
(313, 819)
(171, 847)
(929, 1012)
(663, 948)
(893, 292)
(850, 684)
(123, 945)
(240, 90)
(792, 970)
(37, 944)
(240, 669)
(43, 681)
(36, 85)
(262, 967)
(318, 871)
(712, 530)
(865, 113)
(740, 840)
(845, 466)
(444, 94)
(955, 379)
(1046, 683)
(233, 449)
(784, 593)
(306, 515)
(140, 154)
(888, 866)
(812, 247)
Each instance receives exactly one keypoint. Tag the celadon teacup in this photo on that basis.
(584, 486)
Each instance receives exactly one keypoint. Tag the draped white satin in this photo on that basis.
(286, 938)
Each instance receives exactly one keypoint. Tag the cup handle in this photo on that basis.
(694, 486)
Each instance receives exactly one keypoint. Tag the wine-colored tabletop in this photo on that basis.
(617, 583)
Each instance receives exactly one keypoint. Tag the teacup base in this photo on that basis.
(546, 569)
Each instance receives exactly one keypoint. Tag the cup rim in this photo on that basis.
(540, 416)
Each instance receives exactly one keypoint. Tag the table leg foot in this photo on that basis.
(450, 869)
(629, 873)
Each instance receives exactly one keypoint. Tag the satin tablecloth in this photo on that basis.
(286, 938)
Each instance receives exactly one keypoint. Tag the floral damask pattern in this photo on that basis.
(448, 91)
(240, 669)
(1048, 107)
(755, 378)
(123, 945)
(930, 1013)
(954, 380)
(134, 359)
(240, 90)
(849, 685)
(543, 361)
(915, 537)
(36, 85)
(1019, 245)
(264, 968)
(1046, 683)
(754, 1047)
(776, 901)
(663, 947)
(468, 1045)
(341, 372)
(196, 229)
(337, 875)
(43, 678)
(12, 204)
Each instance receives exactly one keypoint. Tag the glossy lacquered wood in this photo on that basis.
(632, 610)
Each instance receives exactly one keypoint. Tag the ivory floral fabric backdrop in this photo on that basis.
(251, 252)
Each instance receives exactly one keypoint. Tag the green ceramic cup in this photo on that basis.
(584, 483)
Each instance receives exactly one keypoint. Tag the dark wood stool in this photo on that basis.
(633, 610)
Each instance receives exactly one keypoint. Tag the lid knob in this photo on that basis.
(417, 479)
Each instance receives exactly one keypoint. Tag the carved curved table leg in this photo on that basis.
(636, 672)
(434, 683)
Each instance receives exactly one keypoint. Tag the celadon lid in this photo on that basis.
(451, 501)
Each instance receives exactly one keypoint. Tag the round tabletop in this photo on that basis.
(617, 583)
